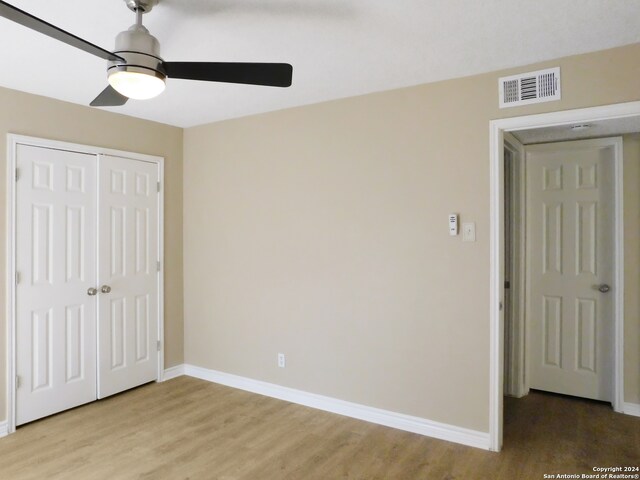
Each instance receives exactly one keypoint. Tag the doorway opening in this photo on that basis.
(561, 235)
(512, 247)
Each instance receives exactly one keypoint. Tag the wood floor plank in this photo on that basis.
(191, 429)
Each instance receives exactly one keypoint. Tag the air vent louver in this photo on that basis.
(528, 88)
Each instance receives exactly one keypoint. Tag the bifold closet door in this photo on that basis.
(127, 273)
(56, 267)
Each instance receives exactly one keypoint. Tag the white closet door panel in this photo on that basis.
(128, 252)
(56, 263)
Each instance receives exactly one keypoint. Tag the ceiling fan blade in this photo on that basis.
(268, 74)
(109, 97)
(26, 19)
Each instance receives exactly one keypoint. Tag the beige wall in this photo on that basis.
(320, 232)
(36, 116)
(631, 200)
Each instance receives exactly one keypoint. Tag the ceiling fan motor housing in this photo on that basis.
(143, 5)
(141, 50)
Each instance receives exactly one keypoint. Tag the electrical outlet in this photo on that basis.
(282, 361)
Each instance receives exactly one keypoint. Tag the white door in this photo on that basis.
(127, 272)
(56, 266)
(570, 214)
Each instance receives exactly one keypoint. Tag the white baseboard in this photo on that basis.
(631, 408)
(400, 421)
(173, 372)
(4, 429)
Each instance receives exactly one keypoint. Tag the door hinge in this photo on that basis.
(507, 284)
(158, 265)
(158, 345)
(17, 174)
(17, 278)
(18, 381)
(158, 186)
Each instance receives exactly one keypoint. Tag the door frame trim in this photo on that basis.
(516, 385)
(13, 140)
(497, 129)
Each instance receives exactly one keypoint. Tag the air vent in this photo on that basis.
(531, 87)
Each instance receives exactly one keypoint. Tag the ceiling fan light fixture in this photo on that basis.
(136, 84)
(140, 75)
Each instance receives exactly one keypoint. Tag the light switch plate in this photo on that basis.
(469, 232)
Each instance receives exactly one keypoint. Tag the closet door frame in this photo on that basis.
(13, 140)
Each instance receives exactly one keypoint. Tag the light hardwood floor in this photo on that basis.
(191, 429)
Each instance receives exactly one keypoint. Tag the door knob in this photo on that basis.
(92, 291)
(105, 289)
(604, 288)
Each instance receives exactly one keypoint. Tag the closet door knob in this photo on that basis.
(92, 291)
(105, 289)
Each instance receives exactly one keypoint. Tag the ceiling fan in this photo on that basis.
(136, 70)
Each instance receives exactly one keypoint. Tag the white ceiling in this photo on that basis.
(339, 48)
